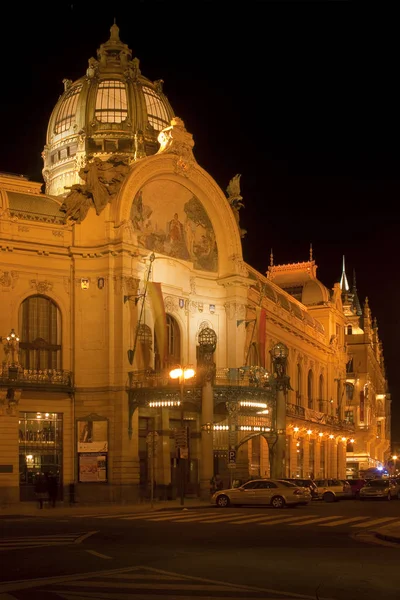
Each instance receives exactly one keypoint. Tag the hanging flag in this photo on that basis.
(160, 320)
(261, 333)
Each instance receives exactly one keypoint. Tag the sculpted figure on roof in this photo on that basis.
(102, 179)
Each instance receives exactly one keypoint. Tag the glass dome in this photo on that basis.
(112, 110)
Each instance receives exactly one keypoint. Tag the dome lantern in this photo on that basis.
(113, 110)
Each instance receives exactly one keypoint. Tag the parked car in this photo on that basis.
(331, 490)
(356, 485)
(306, 483)
(396, 483)
(273, 492)
(346, 488)
(383, 489)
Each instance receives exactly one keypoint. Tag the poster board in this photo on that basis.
(92, 434)
(92, 467)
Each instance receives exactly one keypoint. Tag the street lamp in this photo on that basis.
(182, 373)
(279, 354)
(394, 458)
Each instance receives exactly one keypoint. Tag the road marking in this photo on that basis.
(177, 517)
(141, 573)
(375, 522)
(83, 537)
(283, 520)
(254, 519)
(98, 554)
(308, 522)
(343, 521)
(216, 519)
(233, 518)
(153, 514)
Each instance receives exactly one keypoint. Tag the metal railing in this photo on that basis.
(51, 377)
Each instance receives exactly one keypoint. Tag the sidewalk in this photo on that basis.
(31, 509)
(390, 533)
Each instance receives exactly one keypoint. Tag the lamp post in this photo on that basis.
(394, 458)
(279, 354)
(182, 373)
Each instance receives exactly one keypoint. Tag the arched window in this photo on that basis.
(40, 344)
(111, 102)
(156, 111)
(310, 399)
(298, 385)
(173, 345)
(321, 394)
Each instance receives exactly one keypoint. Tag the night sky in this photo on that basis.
(299, 98)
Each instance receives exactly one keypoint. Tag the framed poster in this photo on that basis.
(92, 468)
(92, 434)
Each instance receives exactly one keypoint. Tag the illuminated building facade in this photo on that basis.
(131, 263)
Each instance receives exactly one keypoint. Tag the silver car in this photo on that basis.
(378, 488)
(273, 492)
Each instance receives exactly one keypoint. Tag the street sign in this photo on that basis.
(231, 458)
(231, 465)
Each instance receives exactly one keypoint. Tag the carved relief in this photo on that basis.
(240, 267)
(193, 285)
(8, 279)
(170, 304)
(58, 233)
(67, 284)
(41, 286)
(23, 228)
(235, 310)
(130, 284)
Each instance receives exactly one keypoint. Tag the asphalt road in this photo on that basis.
(319, 551)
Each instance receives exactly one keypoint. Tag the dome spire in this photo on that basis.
(311, 257)
(271, 259)
(344, 284)
(114, 31)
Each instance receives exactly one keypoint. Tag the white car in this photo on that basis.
(331, 490)
(273, 492)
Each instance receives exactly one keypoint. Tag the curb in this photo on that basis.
(387, 537)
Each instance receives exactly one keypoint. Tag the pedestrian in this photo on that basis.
(41, 489)
(52, 485)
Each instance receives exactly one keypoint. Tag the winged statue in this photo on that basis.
(235, 199)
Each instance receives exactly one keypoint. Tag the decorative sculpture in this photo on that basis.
(102, 179)
(235, 200)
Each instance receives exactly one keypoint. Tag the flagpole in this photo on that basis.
(262, 294)
(151, 258)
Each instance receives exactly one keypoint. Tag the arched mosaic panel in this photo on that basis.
(170, 220)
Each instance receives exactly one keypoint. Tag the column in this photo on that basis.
(207, 451)
(278, 467)
(333, 459)
(293, 456)
(306, 456)
(317, 458)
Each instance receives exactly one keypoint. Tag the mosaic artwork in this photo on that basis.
(168, 219)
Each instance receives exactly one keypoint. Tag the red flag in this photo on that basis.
(160, 319)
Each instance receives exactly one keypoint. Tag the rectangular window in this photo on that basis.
(349, 416)
(40, 449)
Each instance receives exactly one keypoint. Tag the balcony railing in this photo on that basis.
(294, 410)
(18, 377)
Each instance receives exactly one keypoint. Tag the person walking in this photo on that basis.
(41, 489)
(52, 484)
